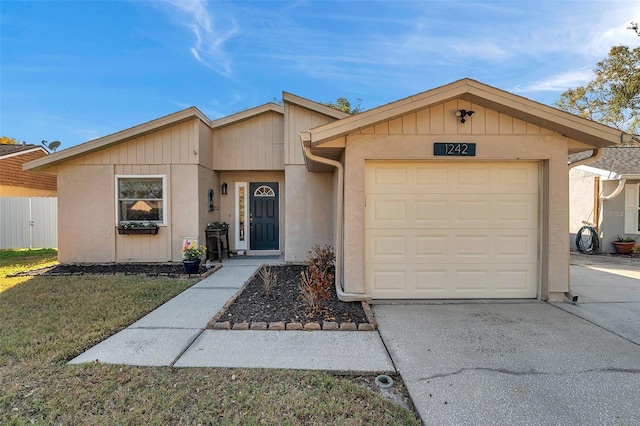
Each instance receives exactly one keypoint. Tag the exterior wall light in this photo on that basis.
(223, 189)
(462, 113)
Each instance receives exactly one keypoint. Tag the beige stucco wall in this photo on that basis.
(581, 201)
(309, 211)
(498, 137)
(86, 214)
(227, 202)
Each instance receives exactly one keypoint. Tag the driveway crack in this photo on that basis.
(531, 372)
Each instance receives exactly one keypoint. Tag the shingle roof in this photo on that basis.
(6, 149)
(620, 160)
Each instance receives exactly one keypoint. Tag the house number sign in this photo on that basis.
(454, 149)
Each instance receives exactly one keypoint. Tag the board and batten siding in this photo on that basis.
(253, 144)
(177, 144)
(298, 119)
(436, 120)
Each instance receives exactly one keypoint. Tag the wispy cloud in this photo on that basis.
(558, 82)
(210, 34)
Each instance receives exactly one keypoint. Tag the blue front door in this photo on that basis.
(263, 216)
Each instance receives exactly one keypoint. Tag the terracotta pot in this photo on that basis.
(623, 247)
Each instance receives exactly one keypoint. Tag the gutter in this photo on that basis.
(595, 156)
(305, 139)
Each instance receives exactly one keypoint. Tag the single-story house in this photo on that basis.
(606, 194)
(14, 182)
(457, 192)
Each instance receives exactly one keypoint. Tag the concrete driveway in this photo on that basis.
(523, 362)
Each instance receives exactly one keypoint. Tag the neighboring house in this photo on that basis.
(14, 182)
(420, 198)
(605, 193)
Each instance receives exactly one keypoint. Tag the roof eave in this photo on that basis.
(26, 151)
(103, 142)
(247, 114)
(313, 106)
(589, 132)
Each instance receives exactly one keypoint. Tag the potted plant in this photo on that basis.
(128, 228)
(191, 254)
(212, 226)
(624, 245)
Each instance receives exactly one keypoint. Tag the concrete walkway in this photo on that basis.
(500, 362)
(174, 335)
(609, 293)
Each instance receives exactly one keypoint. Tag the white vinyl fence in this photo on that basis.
(28, 222)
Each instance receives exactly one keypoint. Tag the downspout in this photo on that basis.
(595, 156)
(305, 139)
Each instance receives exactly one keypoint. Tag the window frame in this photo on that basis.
(165, 212)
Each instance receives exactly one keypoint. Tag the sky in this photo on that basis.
(74, 71)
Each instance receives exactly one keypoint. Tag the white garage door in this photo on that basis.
(451, 230)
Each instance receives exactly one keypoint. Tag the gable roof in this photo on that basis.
(572, 126)
(246, 114)
(313, 106)
(150, 126)
(618, 161)
(10, 150)
(115, 138)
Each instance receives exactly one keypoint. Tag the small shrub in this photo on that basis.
(306, 292)
(269, 280)
(323, 257)
(635, 250)
(315, 287)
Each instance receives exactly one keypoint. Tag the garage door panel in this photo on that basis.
(496, 178)
(451, 245)
(410, 211)
(389, 282)
(451, 230)
(389, 247)
(448, 281)
(389, 212)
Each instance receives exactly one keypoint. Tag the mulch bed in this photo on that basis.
(252, 309)
(172, 270)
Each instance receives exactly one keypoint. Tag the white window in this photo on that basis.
(242, 207)
(264, 191)
(140, 199)
(632, 208)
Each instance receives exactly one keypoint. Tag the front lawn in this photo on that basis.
(45, 321)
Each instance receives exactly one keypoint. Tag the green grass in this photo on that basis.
(13, 261)
(45, 321)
